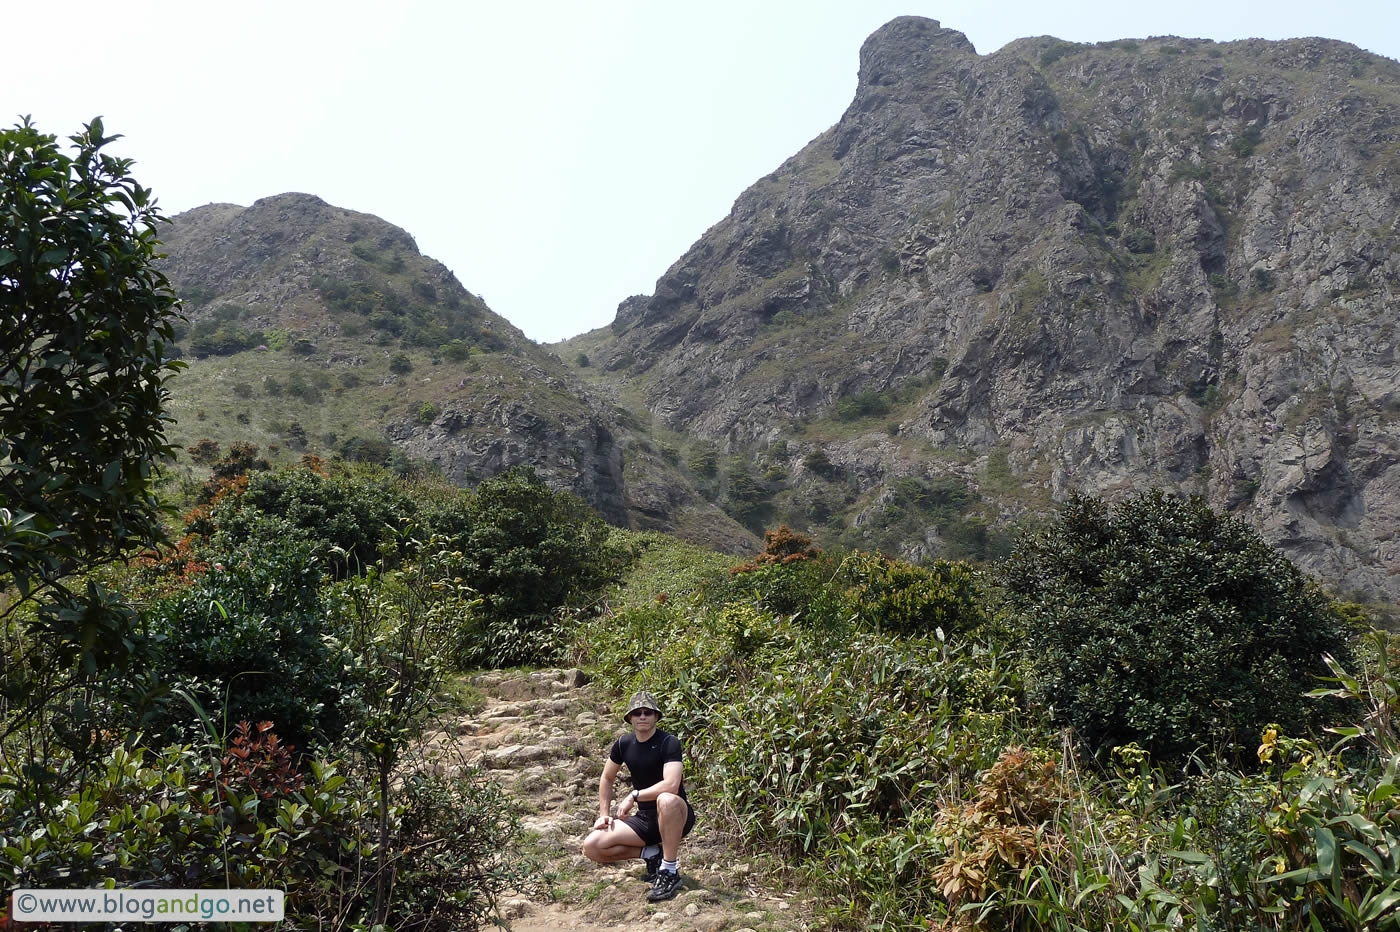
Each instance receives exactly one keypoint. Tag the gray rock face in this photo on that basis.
(1166, 262)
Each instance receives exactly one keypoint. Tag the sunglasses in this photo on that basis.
(642, 712)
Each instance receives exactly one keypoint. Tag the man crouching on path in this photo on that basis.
(663, 815)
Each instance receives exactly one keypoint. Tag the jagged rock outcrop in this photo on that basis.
(1158, 262)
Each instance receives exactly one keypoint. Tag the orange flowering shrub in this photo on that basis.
(783, 547)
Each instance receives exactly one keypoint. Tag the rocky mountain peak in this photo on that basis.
(1002, 278)
(906, 47)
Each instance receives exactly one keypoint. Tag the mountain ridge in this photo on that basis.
(996, 280)
(1093, 256)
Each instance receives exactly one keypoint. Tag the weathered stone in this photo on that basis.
(517, 755)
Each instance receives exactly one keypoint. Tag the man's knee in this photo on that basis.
(593, 846)
(670, 804)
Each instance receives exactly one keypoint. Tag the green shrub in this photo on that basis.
(366, 450)
(787, 577)
(250, 639)
(299, 387)
(460, 837)
(400, 364)
(1055, 52)
(862, 405)
(818, 462)
(219, 336)
(530, 551)
(1139, 241)
(748, 501)
(704, 461)
(353, 510)
(1243, 145)
(162, 819)
(898, 597)
(1162, 622)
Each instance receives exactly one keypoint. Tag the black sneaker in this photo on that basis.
(653, 868)
(667, 885)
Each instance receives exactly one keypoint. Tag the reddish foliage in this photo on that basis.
(782, 547)
(315, 464)
(260, 763)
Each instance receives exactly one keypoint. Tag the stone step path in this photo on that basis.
(544, 736)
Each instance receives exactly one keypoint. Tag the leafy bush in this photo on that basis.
(366, 450)
(894, 596)
(174, 819)
(530, 551)
(748, 501)
(862, 405)
(249, 639)
(1139, 241)
(1005, 829)
(1162, 622)
(1243, 145)
(218, 333)
(458, 836)
(161, 819)
(818, 462)
(704, 461)
(354, 511)
(787, 577)
(205, 452)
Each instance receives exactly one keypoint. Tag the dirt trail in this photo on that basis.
(544, 735)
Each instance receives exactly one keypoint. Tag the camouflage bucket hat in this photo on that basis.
(641, 700)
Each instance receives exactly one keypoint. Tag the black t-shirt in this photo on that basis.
(646, 760)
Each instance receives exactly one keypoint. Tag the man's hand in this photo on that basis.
(629, 802)
(604, 823)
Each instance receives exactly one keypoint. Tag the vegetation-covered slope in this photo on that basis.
(317, 329)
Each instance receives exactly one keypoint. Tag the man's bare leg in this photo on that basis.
(618, 843)
(671, 812)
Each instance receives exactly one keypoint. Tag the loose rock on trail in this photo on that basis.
(544, 736)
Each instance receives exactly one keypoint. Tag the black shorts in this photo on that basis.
(644, 823)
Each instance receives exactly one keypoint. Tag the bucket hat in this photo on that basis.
(641, 700)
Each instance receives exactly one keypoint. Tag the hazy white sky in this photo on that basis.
(556, 156)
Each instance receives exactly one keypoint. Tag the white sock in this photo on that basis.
(672, 866)
(650, 851)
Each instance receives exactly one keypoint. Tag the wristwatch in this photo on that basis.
(636, 796)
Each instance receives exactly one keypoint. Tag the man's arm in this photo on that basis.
(605, 794)
(671, 773)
